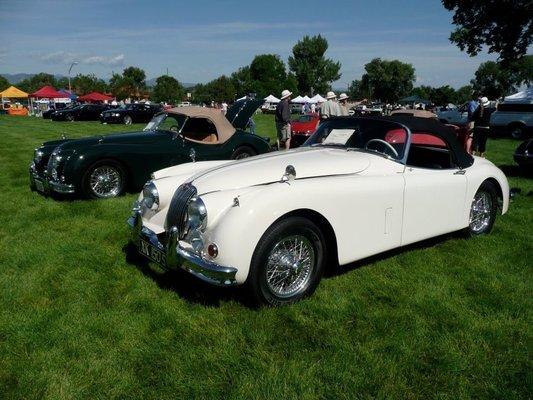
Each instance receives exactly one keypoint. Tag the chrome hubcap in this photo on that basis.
(480, 213)
(105, 181)
(127, 120)
(290, 265)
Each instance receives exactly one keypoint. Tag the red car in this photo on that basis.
(302, 128)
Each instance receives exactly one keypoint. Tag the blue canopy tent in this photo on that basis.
(68, 95)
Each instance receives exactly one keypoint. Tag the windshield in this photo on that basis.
(376, 136)
(165, 122)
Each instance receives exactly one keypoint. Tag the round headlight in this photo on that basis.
(196, 214)
(150, 196)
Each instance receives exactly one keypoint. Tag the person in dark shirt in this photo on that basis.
(481, 119)
(283, 119)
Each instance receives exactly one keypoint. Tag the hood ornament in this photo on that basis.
(192, 155)
(289, 175)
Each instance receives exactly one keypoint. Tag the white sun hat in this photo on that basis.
(286, 93)
(331, 95)
(343, 96)
(485, 101)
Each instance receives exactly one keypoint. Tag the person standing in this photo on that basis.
(330, 108)
(283, 119)
(343, 104)
(471, 108)
(224, 107)
(481, 126)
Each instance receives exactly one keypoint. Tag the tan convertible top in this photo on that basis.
(224, 128)
(415, 113)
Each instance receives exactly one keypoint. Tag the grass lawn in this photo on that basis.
(449, 320)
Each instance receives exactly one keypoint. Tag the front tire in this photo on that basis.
(517, 131)
(127, 120)
(243, 152)
(288, 262)
(70, 118)
(483, 210)
(104, 179)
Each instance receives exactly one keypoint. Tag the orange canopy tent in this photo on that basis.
(14, 93)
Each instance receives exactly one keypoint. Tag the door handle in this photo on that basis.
(459, 172)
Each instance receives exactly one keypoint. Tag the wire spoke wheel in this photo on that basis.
(290, 266)
(105, 181)
(481, 212)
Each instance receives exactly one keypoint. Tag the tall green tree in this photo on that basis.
(387, 80)
(463, 94)
(4, 83)
(218, 90)
(522, 71)
(423, 91)
(83, 84)
(242, 80)
(505, 27)
(167, 89)
(137, 76)
(267, 74)
(313, 71)
(443, 95)
(492, 80)
(358, 89)
(130, 84)
(36, 82)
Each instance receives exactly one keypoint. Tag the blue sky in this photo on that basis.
(200, 40)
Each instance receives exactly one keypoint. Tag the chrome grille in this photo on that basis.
(177, 210)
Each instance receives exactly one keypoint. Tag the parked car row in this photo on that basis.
(275, 222)
(509, 119)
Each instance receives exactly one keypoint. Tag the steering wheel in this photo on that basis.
(387, 145)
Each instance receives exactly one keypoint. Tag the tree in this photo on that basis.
(219, 90)
(423, 91)
(267, 74)
(522, 71)
(314, 72)
(443, 95)
(4, 83)
(242, 80)
(492, 80)
(167, 89)
(36, 82)
(83, 84)
(463, 94)
(132, 83)
(388, 80)
(359, 89)
(504, 26)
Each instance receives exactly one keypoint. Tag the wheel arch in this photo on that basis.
(499, 191)
(325, 227)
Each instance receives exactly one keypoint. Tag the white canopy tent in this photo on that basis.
(317, 99)
(298, 99)
(272, 99)
(525, 96)
(306, 99)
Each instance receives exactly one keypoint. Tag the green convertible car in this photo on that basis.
(106, 166)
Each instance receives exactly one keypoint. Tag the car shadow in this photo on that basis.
(366, 262)
(515, 171)
(185, 285)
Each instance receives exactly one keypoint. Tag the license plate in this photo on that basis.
(39, 186)
(153, 253)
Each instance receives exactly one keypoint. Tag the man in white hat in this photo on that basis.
(343, 104)
(481, 119)
(330, 108)
(283, 120)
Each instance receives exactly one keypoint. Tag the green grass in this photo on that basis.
(450, 320)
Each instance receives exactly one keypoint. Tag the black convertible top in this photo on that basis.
(437, 128)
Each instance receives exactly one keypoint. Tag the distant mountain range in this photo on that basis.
(16, 78)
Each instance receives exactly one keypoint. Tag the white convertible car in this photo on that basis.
(359, 186)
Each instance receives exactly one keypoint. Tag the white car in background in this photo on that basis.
(275, 222)
(453, 115)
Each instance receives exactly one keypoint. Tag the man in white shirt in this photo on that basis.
(330, 108)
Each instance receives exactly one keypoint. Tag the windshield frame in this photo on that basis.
(399, 125)
(157, 127)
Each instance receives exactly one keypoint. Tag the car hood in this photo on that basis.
(119, 138)
(268, 168)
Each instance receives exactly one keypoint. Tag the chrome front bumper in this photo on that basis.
(47, 184)
(178, 257)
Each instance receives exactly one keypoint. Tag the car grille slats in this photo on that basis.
(178, 208)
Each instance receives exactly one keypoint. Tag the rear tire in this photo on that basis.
(288, 262)
(69, 118)
(127, 120)
(243, 152)
(483, 210)
(517, 131)
(103, 180)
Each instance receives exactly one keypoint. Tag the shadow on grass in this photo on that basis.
(188, 287)
(515, 171)
(195, 291)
